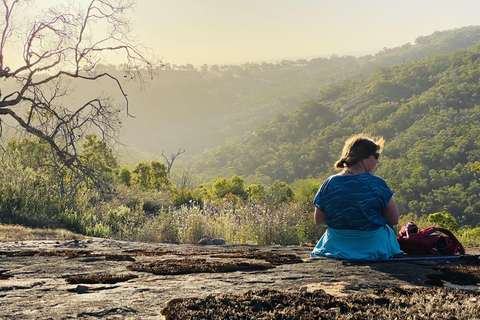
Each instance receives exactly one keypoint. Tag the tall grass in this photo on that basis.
(28, 197)
(34, 196)
(21, 233)
(246, 224)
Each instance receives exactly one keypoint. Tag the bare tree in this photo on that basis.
(171, 160)
(63, 46)
(186, 179)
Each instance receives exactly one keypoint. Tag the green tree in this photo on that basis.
(158, 172)
(141, 175)
(256, 193)
(201, 194)
(443, 219)
(30, 153)
(31, 190)
(182, 196)
(280, 192)
(125, 177)
(236, 186)
(306, 191)
(220, 187)
(99, 157)
(151, 175)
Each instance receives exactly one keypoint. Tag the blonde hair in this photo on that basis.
(358, 147)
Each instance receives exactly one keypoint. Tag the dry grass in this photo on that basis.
(20, 233)
(99, 278)
(194, 265)
(392, 303)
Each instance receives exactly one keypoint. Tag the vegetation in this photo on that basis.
(144, 204)
(258, 188)
(20, 233)
(202, 106)
(149, 207)
(60, 50)
(427, 110)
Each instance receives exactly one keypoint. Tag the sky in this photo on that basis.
(239, 31)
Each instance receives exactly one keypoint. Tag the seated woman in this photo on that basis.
(357, 207)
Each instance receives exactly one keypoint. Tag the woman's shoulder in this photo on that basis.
(358, 178)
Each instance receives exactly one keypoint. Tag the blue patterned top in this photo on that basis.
(354, 202)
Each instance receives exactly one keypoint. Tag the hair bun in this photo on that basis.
(340, 163)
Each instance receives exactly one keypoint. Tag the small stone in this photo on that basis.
(205, 241)
(218, 241)
(473, 300)
(303, 289)
(82, 289)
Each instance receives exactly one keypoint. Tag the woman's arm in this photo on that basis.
(391, 213)
(319, 216)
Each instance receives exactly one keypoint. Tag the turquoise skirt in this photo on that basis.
(380, 244)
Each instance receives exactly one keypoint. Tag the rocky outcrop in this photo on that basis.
(99, 278)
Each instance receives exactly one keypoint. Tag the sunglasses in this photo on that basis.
(376, 155)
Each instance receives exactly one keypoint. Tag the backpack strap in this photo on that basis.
(458, 246)
(408, 229)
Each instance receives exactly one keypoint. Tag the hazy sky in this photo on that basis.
(238, 31)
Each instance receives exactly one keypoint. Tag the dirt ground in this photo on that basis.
(100, 278)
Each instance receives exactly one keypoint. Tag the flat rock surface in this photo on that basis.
(100, 278)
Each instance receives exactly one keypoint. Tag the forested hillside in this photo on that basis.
(286, 124)
(199, 108)
(428, 111)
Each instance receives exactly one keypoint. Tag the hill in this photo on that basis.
(198, 109)
(428, 110)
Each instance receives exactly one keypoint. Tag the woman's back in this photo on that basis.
(357, 207)
(354, 202)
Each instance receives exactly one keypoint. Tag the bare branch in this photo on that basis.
(171, 160)
(6, 30)
(60, 47)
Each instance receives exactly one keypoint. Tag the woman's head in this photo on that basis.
(359, 147)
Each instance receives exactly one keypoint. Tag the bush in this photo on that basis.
(443, 219)
(28, 196)
(306, 190)
(469, 237)
(279, 192)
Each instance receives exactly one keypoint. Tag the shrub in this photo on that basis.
(182, 196)
(469, 237)
(443, 219)
(28, 196)
(279, 192)
(306, 190)
(125, 177)
(256, 193)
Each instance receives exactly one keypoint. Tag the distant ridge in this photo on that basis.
(428, 110)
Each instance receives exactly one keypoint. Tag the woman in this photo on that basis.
(357, 207)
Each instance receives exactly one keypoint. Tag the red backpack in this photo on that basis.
(414, 241)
